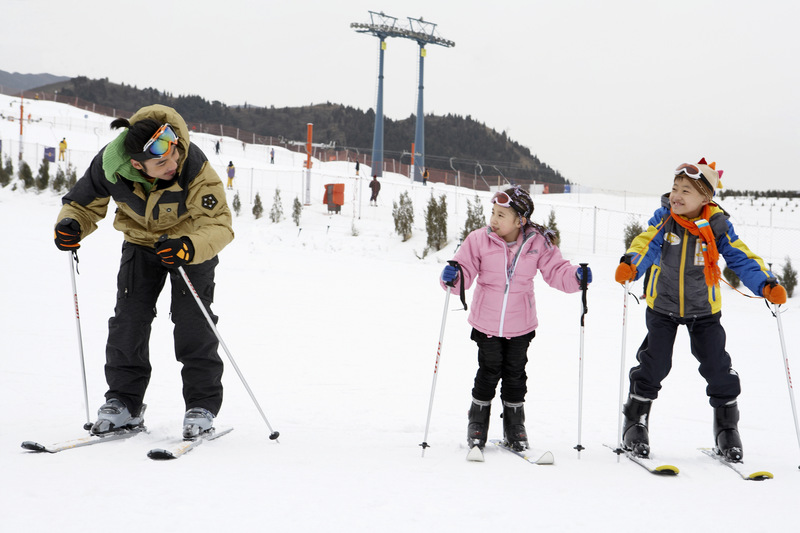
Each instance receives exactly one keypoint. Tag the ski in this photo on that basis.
(184, 446)
(545, 458)
(475, 454)
(648, 463)
(739, 468)
(88, 440)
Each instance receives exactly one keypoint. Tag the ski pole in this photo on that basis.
(73, 260)
(622, 369)
(584, 310)
(439, 354)
(786, 368)
(273, 435)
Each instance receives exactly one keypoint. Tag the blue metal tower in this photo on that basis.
(383, 26)
(424, 33)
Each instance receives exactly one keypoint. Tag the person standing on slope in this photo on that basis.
(502, 259)
(172, 212)
(231, 174)
(684, 240)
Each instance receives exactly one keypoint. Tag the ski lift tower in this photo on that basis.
(381, 26)
(424, 33)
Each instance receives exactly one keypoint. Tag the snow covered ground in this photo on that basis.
(336, 335)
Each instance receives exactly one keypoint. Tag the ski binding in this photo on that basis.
(737, 467)
(88, 440)
(186, 445)
(545, 458)
(648, 463)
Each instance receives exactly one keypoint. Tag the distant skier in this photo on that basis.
(62, 148)
(163, 186)
(231, 175)
(272, 156)
(683, 243)
(375, 185)
(502, 259)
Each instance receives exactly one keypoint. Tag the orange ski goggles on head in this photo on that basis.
(160, 145)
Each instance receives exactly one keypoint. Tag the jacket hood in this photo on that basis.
(117, 161)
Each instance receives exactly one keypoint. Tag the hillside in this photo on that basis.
(446, 137)
(14, 81)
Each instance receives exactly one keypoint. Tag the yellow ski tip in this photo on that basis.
(667, 469)
(758, 476)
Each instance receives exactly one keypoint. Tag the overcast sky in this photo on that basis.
(613, 94)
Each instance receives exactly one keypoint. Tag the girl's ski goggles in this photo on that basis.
(693, 172)
(161, 144)
(504, 200)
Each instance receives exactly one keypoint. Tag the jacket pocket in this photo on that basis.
(167, 216)
(127, 270)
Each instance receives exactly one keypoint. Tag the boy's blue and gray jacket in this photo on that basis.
(677, 283)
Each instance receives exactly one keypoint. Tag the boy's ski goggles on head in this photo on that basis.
(693, 172)
(160, 144)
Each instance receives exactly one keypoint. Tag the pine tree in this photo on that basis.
(403, 216)
(5, 177)
(26, 175)
(8, 167)
(551, 225)
(632, 230)
(475, 217)
(297, 209)
(789, 277)
(43, 177)
(237, 204)
(60, 181)
(258, 209)
(731, 277)
(436, 223)
(72, 176)
(276, 213)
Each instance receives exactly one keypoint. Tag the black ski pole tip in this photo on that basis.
(274, 435)
(88, 425)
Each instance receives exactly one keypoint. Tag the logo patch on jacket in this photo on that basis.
(672, 238)
(698, 254)
(209, 201)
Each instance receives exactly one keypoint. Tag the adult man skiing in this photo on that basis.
(172, 211)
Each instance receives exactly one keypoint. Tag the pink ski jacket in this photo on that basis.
(504, 304)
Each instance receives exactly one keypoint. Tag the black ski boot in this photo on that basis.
(635, 437)
(726, 432)
(514, 426)
(478, 427)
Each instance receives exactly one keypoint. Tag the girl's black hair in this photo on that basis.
(138, 133)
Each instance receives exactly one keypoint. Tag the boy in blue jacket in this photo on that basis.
(681, 247)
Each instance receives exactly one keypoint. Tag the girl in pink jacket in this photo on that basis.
(502, 259)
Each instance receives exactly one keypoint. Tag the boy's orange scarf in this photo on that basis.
(701, 228)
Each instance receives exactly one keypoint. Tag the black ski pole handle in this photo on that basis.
(584, 287)
(451, 284)
(584, 276)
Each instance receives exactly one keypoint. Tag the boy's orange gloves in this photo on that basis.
(775, 293)
(625, 271)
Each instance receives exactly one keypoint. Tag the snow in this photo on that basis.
(337, 337)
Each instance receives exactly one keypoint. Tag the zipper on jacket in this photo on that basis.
(509, 277)
(682, 273)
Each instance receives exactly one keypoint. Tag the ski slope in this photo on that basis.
(337, 335)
